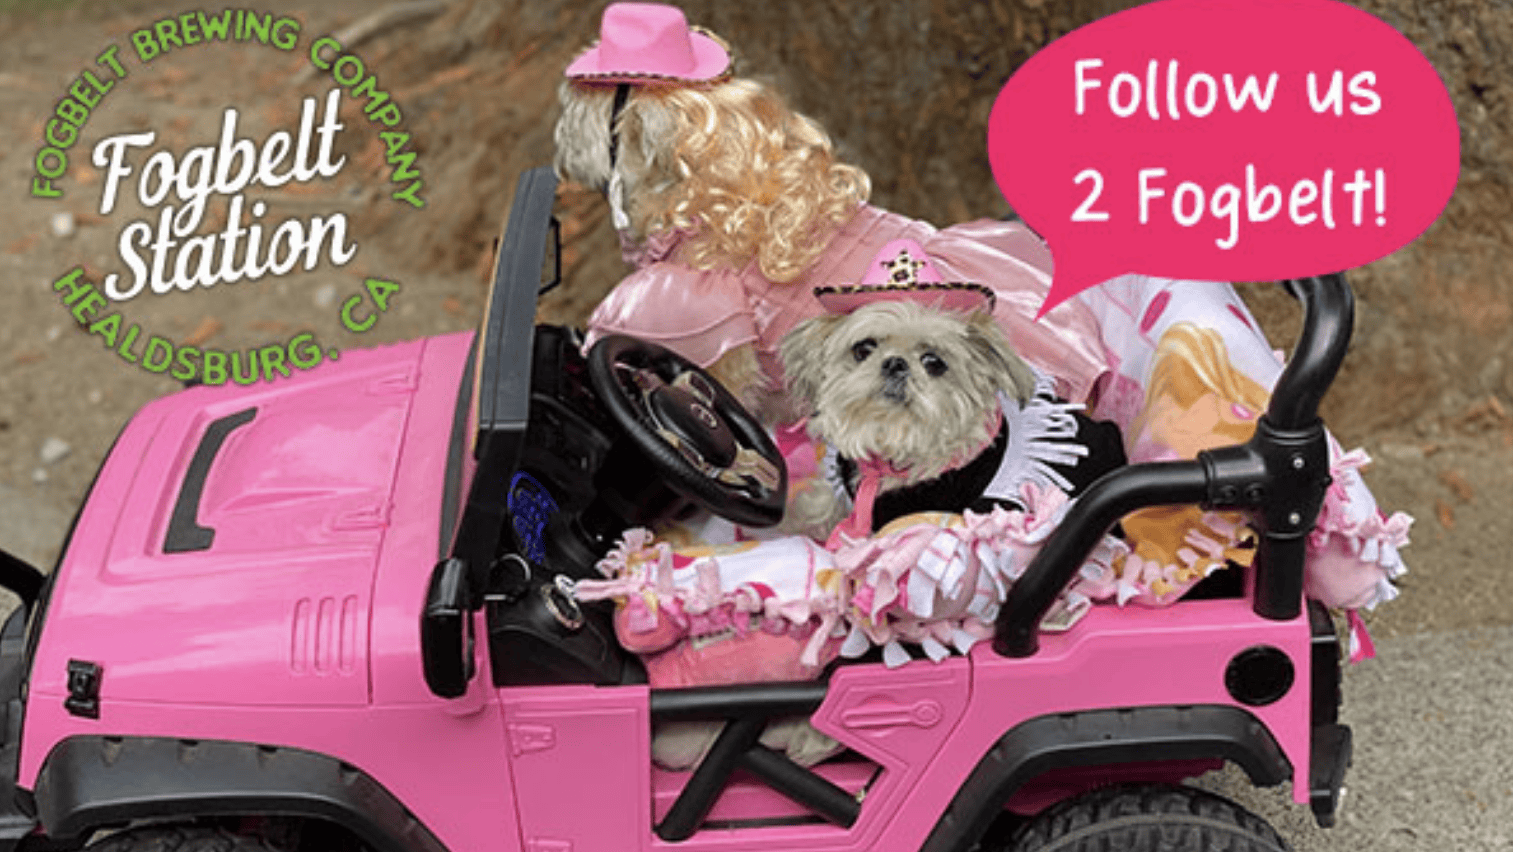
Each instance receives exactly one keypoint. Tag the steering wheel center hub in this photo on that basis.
(695, 433)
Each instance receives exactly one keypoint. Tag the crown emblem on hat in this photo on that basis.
(903, 270)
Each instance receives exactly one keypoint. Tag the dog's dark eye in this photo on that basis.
(934, 365)
(863, 348)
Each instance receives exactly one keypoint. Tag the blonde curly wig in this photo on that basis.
(728, 162)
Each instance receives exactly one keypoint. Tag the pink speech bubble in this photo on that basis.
(1213, 140)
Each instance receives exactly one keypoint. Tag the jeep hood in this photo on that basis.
(229, 551)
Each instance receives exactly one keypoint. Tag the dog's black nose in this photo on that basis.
(895, 367)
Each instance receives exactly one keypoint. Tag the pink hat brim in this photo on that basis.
(944, 295)
(711, 62)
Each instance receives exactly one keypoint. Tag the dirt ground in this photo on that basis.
(1426, 391)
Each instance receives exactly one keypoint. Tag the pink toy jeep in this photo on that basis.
(314, 614)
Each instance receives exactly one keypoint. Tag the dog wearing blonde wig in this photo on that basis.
(726, 166)
(727, 159)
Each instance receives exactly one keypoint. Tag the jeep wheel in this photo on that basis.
(187, 838)
(1146, 819)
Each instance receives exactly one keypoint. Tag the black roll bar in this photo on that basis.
(1328, 319)
(1279, 476)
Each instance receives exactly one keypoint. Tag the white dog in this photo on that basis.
(923, 404)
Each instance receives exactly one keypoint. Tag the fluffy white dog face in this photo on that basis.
(898, 381)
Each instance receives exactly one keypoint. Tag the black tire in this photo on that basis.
(172, 838)
(1148, 819)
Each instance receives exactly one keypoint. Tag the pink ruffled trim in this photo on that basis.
(1208, 546)
(1352, 552)
(941, 587)
(1353, 560)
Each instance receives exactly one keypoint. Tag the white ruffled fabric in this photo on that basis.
(938, 581)
(1042, 433)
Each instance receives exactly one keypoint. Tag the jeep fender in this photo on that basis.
(1102, 738)
(93, 781)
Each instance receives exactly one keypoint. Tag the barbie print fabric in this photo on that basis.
(1189, 370)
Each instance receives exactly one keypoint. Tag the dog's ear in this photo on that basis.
(1010, 372)
(650, 134)
(803, 354)
(582, 135)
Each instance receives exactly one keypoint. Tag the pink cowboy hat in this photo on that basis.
(650, 42)
(901, 270)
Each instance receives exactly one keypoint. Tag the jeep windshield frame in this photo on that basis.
(500, 374)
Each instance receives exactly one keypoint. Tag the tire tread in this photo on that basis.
(1148, 819)
(179, 838)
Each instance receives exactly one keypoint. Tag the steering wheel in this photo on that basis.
(700, 439)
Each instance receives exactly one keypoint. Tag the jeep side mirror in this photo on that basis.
(446, 630)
